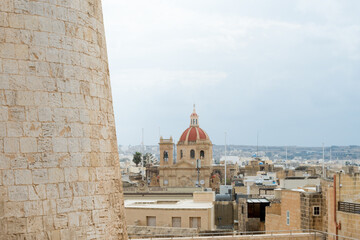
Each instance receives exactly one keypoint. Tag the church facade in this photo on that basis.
(193, 165)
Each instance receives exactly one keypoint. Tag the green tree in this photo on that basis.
(148, 158)
(137, 158)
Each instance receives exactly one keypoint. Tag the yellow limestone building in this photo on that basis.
(194, 144)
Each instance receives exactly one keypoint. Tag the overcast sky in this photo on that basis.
(287, 69)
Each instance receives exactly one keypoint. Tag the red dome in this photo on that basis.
(192, 134)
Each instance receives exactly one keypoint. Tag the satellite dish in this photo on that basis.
(202, 182)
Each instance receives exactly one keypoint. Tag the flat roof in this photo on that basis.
(167, 204)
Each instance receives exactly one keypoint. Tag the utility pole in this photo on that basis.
(286, 157)
(323, 163)
(257, 144)
(142, 153)
(225, 158)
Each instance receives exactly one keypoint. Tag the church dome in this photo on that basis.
(194, 132)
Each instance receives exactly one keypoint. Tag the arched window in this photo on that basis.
(181, 154)
(192, 153)
(202, 154)
(166, 156)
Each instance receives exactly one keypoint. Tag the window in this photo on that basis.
(316, 211)
(166, 156)
(195, 222)
(176, 222)
(151, 221)
(181, 154)
(192, 153)
(202, 154)
(287, 217)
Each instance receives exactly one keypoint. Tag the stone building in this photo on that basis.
(194, 144)
(59, 166)
(257, 165)
(298, 209)
(251, 213)
(187, 213)
(343, 204)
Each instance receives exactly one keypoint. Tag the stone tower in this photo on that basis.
(59, 167)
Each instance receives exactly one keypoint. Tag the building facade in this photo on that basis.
(193, 165)
(188, 213)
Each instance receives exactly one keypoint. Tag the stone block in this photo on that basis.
(45, 24)
(4, 80)
(53, 55)
(18, 193)
(4, 162)
(23, 176)
(24, 98)
(74, 219)
(32, 129)
(2, 129)
(14, 129)
(45, 114)
(60, 222)
(49, 207)
(83, 174)
(40, 176)
(43, 70)
(65, 205)
(3, 113)
(100, 216)
(60, 145)
(34, 224)
(10, 66)
(14, 209)
(37, 192)
(52, 191)
(101, 201)
(74, 145)
(65, 190)
(7, 50)
(71, 174)
(87, 203)
(16, 225)
(28, 145)
(37, 53)
(16, 113)
(56, 175)
(19, 162)
(20, 83)
(22, 51)
(85, 145)
(11, 145)
(31, 22)
(33, 208)
(80, 189)
(31, 114)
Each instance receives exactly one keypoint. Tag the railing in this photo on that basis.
(315, 234)
(349, 207)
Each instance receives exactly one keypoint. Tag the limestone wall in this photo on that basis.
(285, 236)
(59, 168)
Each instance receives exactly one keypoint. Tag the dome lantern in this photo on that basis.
(194, 119)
